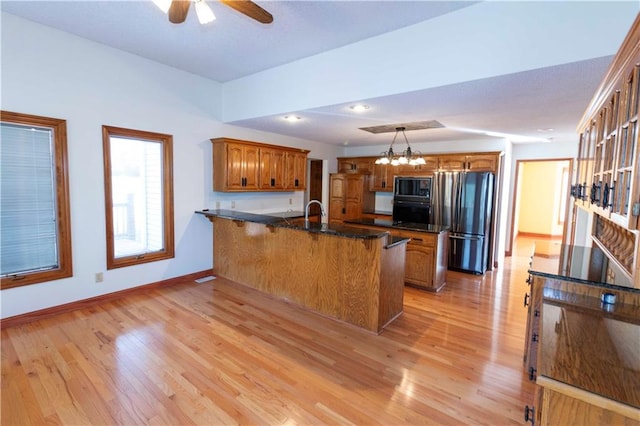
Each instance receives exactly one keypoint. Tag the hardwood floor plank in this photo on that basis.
(221, 353)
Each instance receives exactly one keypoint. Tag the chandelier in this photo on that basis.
(407, 157)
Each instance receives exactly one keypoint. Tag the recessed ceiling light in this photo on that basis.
(359, 107)
(291, 118)
(546, 130)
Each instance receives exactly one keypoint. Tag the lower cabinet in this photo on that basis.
(423, 268)
(425, 263)
(561, 404)
(581, 353)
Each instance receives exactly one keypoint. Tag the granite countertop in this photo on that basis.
(587, 265)
(385, 223)
(295, 220)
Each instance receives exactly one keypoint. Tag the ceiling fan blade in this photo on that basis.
(250, 9)
(178, 11)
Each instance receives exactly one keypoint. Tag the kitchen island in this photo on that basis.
(349, 274)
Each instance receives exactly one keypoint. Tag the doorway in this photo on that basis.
(541, 202)
(315, 185)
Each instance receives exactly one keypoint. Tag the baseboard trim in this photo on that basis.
(78, 304)
(534, 235)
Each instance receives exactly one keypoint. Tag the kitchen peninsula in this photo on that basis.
(349, 274)
(426, 257)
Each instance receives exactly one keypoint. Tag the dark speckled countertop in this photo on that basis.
(385, 223)
(295, 220)
(587, 266)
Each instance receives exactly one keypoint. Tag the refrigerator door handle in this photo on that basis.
(457, 237)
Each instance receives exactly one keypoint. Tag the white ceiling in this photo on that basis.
(523, 103)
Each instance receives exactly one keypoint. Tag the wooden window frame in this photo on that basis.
(63, 217)
(167, 204)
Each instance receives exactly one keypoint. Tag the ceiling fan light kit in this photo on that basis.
(177, 10)
(204, 12)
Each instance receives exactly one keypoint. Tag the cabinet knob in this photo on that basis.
(273, 182)
(532, 374)
(296, 182)
(526, 299)
(534, 337)
(529, 413)
(529, 280)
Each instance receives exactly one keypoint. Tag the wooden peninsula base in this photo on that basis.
(353, 275)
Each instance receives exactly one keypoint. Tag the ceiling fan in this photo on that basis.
(177, 10)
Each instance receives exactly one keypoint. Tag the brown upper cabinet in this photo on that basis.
(363, 165)
(607, 178)
(382, 175)
(468, 162)
(272, 169)
(240, 166)
(296, 170)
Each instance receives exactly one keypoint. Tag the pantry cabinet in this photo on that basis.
(245, 166)
(349, 196)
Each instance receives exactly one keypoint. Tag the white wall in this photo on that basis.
(51, 73)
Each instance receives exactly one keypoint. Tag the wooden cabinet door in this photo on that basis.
(533, 303)
(474, 162)
(364, 165)
(296, 170)
(361, 165)
(251, 167)
(452, 163)
(419, 265)
(272, 169)
(354, 188)
(380, 179)
(430, 166)
(337, 208)
(346, 165)
(234, 164)
(482, 163)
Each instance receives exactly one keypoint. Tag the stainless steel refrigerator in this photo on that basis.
(463, 201)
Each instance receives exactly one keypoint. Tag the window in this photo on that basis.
(35, 240)
(138, 176)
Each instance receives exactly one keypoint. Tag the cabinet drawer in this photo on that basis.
(420, 238)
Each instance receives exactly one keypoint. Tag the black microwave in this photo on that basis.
(412, 188)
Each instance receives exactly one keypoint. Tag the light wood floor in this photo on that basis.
(218, 353)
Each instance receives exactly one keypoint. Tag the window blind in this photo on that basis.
(28, 238)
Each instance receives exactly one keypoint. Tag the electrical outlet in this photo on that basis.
(217, 205)
(99, 277)
(233, 204)
(290, 201)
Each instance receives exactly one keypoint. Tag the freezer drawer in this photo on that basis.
(466, 253)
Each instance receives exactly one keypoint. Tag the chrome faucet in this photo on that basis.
(306, 210)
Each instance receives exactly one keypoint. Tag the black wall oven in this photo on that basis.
(411, 212)
(412, 199)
